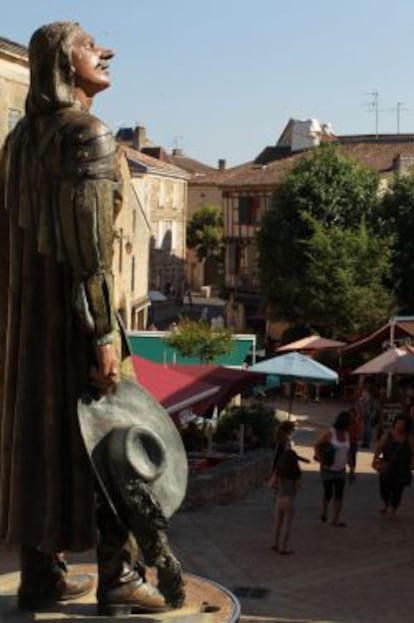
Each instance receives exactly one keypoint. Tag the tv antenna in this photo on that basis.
(374, 107)
(177, 141)
(397, 109)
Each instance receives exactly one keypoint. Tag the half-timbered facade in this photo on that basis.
(247, 191)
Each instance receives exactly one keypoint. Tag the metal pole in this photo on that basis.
(291, 393)
(241, 448)
(399, 104)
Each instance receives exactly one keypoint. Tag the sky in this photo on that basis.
(221, 78)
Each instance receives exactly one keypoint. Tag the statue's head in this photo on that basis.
(65, 65)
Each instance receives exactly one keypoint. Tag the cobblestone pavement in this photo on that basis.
(359, 574)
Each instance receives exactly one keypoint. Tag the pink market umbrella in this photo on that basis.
(392, 361)
(312, 342)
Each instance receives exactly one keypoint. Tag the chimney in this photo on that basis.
(177, 151)
(221, 164)
(139, 137)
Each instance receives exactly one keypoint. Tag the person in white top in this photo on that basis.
(332, 450)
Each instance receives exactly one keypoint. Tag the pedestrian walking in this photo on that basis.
(355, 434)
(368, 407)
(393, 460)
(332, 450)
(289, 478)
(283, 442)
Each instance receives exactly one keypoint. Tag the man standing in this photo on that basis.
(367, 406)
(59, 195)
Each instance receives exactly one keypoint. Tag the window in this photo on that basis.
(175, 196)
(120, 258)
(162, 194)
(234, 258)
(133, 273)
(165, 235)
(247, 210)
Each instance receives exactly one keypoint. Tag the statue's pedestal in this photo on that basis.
(206, 602)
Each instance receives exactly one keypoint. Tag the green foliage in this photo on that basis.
(258, 419)
(197, 339)
(318, 262)
(331, 187)
(398, 221)
(345, 291)
(205, 232)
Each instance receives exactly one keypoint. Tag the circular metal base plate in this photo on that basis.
(206, 602)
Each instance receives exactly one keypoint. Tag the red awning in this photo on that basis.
(231, 381)
(174, 389)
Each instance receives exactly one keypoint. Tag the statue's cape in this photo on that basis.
(59, 181)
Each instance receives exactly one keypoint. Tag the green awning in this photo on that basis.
(150, 345)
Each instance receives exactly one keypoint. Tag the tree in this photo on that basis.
(197, 339)
(345, 292)
(205, 232)
(319, 222)
(398, 219)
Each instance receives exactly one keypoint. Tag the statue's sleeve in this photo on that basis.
(88, 194)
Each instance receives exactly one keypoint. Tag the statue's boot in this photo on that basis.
(45, 580)
(122, 587)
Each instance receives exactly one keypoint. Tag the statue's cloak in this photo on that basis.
(58, 196)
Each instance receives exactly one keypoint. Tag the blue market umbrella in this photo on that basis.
(296, 367)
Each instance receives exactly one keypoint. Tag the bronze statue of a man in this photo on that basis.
(59, 194)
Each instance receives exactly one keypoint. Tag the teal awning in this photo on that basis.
(150, 345)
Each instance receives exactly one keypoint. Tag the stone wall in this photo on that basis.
(229, 481)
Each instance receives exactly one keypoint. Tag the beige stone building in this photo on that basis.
(131, 253)
(14, 82)
(202, 191)
(161, 188)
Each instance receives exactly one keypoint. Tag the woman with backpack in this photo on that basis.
(332, 451)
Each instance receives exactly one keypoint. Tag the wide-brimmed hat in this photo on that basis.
(128, 435)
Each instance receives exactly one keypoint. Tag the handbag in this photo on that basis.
(381, 466)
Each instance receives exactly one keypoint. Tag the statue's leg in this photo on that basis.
(122, 588)
(44, 580)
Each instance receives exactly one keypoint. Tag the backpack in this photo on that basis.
(326, 453)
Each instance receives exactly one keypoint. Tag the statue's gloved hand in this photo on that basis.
(106, 375)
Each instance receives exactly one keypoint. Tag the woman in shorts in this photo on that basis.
(289, 476)
(333, 472)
